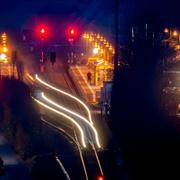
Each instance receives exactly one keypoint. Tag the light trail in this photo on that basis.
(74, 140)
(63, 168)
(75, 114)
(67, 117)
(67, 94)
(29, 76)
(97, 158)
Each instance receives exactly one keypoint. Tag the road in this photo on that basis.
(64, 111)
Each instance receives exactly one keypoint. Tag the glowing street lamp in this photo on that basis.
(175, 33)
(5, 49)
(3, 57)
(166, 30)
(95, 51)
(101, 51)
(98, 36)
(85, 36)
(90, 39)
(95, 45)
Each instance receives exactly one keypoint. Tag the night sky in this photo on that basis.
(16, 13)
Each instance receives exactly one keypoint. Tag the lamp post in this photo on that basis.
(174, 35)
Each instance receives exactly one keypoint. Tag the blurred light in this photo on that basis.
(85, 36)
(90, 39)
(4, 36)
(101, 39)
(100, 62)
(98, 36)
(110, 48)
(166, 30)
(100, 178)
(95, 45)
(5, 49)
(113, 51)
(175, 33)
(95, 51)
(76, 114)
(67, 117)
(42, 31)
(67, 94)
(72, 33)
(98, 46)
(29, 76)
(3, 57)
(101, 51)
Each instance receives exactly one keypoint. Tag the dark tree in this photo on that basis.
(147, 136)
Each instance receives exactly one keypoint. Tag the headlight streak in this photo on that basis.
(29, 76)
(67, 117)
(75, 114)
(67, 94)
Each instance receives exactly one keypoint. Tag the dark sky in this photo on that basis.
(15, 13)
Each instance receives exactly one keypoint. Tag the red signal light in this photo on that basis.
(42, 31)
(100, 178)
(72, 33)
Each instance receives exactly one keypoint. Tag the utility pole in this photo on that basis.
(116, 57)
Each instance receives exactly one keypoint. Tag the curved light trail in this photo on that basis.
(29, 76)
(75, 114)
(67, 94)
(67, 117)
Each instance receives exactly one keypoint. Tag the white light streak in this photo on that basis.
(63, 168)
(75, 114)
(67, 117)
(67, 94)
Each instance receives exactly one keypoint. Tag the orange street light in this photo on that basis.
(166, 30)
(101, 39)
(101, 51)
(90, 39)
(95, 51)
(5, 49)
(98, 36)
(84, 36)
(175, 33)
